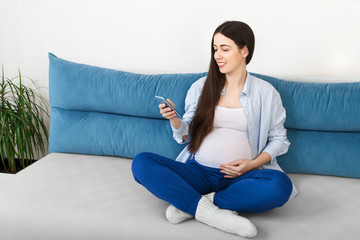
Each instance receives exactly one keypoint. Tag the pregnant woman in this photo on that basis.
(234, 127)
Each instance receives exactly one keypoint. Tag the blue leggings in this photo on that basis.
(182, 184)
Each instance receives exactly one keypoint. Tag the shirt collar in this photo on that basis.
(246, 89)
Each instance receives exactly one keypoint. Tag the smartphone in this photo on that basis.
(163, 100)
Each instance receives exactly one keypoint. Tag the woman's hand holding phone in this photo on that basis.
(166, 111)
(170, 114)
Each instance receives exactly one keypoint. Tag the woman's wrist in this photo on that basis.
(261, 160)
(175, 122)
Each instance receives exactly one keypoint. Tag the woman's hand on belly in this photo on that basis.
(237, 168)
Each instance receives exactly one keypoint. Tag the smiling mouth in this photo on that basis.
(221, 65)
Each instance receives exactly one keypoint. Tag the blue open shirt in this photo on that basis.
(265, 116)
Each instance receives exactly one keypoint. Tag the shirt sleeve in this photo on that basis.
(277, 143)
(190, 108)
(180, 132)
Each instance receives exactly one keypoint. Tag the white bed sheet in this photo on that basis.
(74, 196)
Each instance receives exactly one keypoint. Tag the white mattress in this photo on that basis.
(72, 196)
(5, 176)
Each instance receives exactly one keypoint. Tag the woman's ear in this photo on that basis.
(245, 51)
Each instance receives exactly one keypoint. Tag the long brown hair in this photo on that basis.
(203, 120)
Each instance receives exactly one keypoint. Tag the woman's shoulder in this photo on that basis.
(263, 86)
(194, 91)
(200, 82)
(197, 85)
(261, 83)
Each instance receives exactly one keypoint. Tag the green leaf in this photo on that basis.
(21, 121)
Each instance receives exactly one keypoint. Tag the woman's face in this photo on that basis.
(228, 56)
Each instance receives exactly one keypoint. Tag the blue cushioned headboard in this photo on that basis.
(109, 112)
(323, 123)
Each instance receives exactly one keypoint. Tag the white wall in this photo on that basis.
(306, 40)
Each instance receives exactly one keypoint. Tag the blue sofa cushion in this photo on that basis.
(109, 134)
(75, 86)
(319, 106)
(322, 152)
(108, 112)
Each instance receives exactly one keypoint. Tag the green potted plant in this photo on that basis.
(21, 123)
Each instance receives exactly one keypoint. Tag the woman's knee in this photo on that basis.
(282, 187)
(266, 190)
(274, 192)
(138, 164)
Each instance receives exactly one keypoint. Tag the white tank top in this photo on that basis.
(228, 139)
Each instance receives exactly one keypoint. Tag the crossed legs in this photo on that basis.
(183, 184)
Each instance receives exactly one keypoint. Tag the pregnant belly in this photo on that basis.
(223, 145)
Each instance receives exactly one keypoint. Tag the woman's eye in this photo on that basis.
(224, 50)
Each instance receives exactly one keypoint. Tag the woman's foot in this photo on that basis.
(223, 219)
(175, 216)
